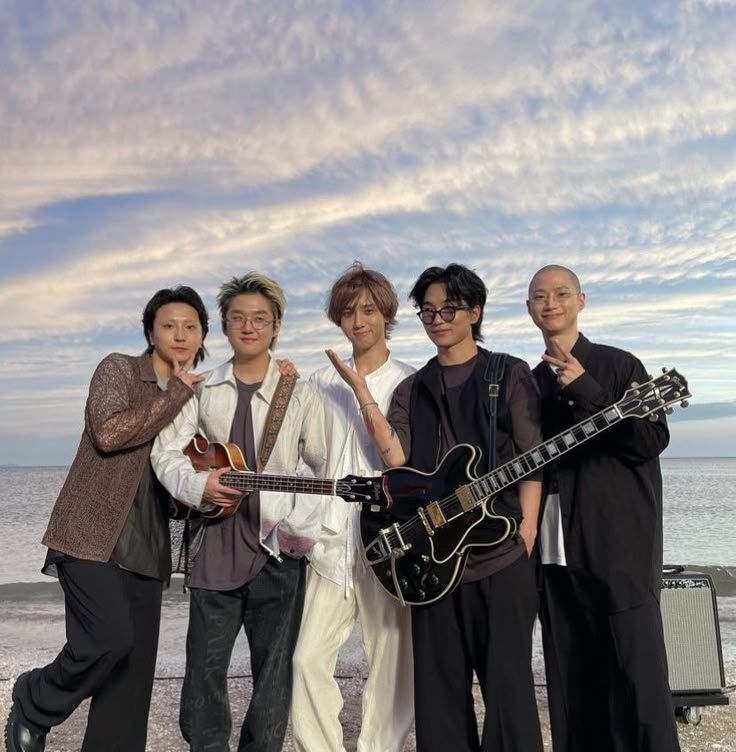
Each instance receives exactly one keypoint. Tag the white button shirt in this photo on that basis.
(350, 450)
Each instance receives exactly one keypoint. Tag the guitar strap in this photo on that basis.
(181, 532)
(274, 419)
(494, 376)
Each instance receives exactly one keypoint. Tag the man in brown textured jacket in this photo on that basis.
(108, 541)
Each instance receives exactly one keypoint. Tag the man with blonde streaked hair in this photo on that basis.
(600, 542)
(248, 569)
(341, 590)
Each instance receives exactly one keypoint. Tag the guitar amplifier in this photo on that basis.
(691, 634)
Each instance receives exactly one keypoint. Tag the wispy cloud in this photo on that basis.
(145, 145)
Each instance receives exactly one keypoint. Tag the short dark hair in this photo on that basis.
(349, 285)
(464, 286)
(178, 294)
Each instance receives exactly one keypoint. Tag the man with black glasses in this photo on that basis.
(485, 624)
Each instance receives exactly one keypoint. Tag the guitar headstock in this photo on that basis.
(354, 488)
(660, 393)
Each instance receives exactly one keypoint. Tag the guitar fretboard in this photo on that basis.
(248, 481)
(506, 475)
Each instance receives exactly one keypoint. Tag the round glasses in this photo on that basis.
(446, 313)
(258, 322)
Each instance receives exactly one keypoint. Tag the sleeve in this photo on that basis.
(313, 437)
(172, 467)
(398, 413)
(634, 440)
(112, 421)
(525, 408)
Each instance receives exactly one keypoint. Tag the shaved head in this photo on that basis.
(574, 281)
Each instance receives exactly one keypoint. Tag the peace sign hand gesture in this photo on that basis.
(567, 367)
(182, 372)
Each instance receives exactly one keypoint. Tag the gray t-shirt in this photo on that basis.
(231, 555)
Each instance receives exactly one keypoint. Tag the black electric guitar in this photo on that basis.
(207, 456)
(417, 543)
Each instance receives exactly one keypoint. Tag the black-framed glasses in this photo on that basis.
(446, 313)
(258, 322)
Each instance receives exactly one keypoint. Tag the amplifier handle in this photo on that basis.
(673, 568)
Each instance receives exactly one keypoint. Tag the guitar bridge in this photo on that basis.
(425, 521)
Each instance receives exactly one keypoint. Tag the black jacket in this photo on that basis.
(611, 486)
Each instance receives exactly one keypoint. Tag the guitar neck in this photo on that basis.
(249, 481)
(525, 464)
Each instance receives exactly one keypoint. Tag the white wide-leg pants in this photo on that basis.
(388, 700)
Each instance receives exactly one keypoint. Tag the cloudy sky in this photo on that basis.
(148, 144)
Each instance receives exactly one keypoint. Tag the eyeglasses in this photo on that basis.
(258, 322)
(446, 313)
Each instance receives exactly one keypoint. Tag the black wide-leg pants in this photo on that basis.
(606, 673)
(486, 627)
(269, 609)
(112, 628)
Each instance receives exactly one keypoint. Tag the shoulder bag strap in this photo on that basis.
(494, 376)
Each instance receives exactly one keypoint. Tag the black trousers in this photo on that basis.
(486, 627)
(269, 608)
(112, 627)
(606, 673)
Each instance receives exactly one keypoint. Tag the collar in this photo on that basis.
(224, 374)
(582, 347)
(146, 370)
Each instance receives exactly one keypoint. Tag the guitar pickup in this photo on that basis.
(465, 497)
(432, 517)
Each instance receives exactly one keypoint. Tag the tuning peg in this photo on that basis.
(634, 384)
(664, 370)
(649, 376)
(654, 417)
(684, 403)
(669, 411)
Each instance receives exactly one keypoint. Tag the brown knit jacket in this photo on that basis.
(124, 412)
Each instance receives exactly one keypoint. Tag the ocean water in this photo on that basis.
(699, 515)
(699, 530)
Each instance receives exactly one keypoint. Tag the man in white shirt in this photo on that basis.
(248, 569)
(341, 590)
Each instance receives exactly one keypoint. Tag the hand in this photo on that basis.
(287, 368)
(353, 379)
(528, 533)
(216, 493)
(567, 367)
(182, 372)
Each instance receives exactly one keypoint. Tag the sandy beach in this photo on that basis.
(32, 631)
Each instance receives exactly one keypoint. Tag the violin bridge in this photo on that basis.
(465, 497)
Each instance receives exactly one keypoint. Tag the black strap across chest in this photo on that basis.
(494, 376)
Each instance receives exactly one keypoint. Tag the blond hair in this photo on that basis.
(251, 283)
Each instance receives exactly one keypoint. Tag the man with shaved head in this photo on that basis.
(600, 542)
